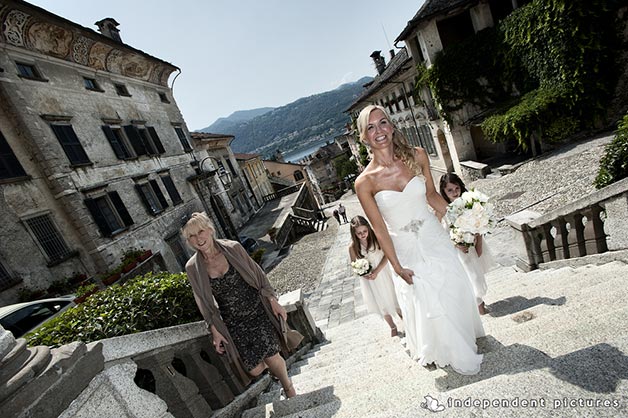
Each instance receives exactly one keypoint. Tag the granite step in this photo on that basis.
(286, 407)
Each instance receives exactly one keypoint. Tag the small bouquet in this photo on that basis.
(361, 266)
(468, 215)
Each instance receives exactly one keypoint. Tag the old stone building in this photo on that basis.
(255, 175)
(437, 24)
(321, 169)
(232, 200)
(94, 152)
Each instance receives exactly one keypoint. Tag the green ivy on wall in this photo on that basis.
(546, 69)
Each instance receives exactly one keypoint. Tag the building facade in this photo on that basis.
(94, 152)
(255, 175)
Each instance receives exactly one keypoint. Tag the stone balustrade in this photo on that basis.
(169, 372)
(593, 224)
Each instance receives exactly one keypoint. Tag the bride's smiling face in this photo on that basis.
(379, 130)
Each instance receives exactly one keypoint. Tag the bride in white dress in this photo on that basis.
(437, 301)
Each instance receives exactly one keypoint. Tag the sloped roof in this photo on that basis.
(429, 9)
(396, 65)
(206, 135)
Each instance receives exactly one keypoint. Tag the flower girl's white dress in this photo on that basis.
(379, 294)
(439, 310)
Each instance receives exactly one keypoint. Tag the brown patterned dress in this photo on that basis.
(243, 313)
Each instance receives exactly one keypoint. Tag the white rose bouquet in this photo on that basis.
(468, 215)
(361, 266)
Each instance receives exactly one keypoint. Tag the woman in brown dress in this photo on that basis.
(238, 303)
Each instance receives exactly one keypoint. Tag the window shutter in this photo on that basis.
(184, 141)
(156, 140)
(99, 218)
(135, 139)
(70, 144)
(117, 203)
(9, 164)
(144, 199)
(172, 190)
(159, 194)
(118, 148)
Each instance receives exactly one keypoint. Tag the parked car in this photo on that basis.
(24, 317)
(249, 244)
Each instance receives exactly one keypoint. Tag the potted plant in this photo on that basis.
(85, 291)
(129, 265)
(145, 255)
(111, 276)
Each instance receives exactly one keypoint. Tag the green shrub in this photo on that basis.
(614, 162)
(144, 303)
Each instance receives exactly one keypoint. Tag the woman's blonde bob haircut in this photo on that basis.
(401, 148)
(197, 221)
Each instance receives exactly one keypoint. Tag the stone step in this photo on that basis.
(556, 278)
(582, 334)
(301, 402)
(327, 410)
(545, 317)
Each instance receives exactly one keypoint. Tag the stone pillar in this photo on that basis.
(616, 224)
(180, 393)
(40, 382)
(211, 384)
(526, 258)
(299, 317)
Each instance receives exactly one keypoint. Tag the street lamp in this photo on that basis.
(223, 175)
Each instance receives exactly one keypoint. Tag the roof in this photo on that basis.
(206, 136)
(397, 64)
(429, 9)
(240, 156)
(94, 35)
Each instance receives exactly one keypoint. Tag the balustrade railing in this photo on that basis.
(591, 225)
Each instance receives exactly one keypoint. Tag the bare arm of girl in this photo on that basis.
(434, 199)
(364, 190)
(478, 245)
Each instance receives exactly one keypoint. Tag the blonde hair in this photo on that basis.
(197, 221)
(401, 148)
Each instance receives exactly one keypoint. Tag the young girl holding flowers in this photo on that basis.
(475, 258)
(376, 280)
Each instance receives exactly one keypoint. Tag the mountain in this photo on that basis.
(308, 120)
(225, 124)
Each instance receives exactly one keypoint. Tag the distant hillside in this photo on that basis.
(306, 120)
(224, 125)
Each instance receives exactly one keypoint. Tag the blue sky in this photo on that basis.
(246, 54)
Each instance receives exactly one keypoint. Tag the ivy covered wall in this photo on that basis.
(547, 70)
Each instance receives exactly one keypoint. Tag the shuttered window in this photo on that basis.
(10, 167)
(70, 144)
(152, 197)
(183, 139)
(109, 213)
(118, 142)
(171, 189)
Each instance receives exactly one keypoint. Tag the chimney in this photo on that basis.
(108, 27)
(380, 63)
(392, 54)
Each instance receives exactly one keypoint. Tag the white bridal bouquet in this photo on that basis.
(468, 215)
(361, 266)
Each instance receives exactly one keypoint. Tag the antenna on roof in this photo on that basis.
(385, 36)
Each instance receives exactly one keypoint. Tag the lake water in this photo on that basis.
(299, 153)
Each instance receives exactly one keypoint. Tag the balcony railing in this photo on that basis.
(594, 224)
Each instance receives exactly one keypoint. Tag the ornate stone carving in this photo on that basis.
(14, 27)
(80, 50)
(49, 39)
(98, 56)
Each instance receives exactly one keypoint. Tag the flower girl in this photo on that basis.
(476, 259)
(368, 261)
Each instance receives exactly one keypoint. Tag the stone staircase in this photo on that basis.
(554, 338)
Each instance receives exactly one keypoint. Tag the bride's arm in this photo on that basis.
(434, 199)
(364, 190)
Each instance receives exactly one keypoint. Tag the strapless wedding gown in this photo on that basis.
(439, 310)
(379, 294)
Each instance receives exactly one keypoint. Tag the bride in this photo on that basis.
(434, 292)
